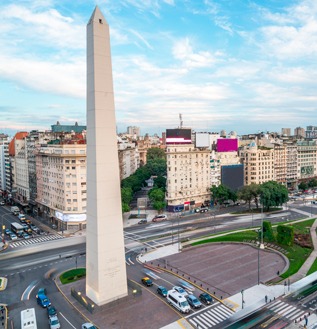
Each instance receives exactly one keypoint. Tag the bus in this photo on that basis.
(28, 319)
(17, 228)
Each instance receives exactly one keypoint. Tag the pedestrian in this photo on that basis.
(265, 298)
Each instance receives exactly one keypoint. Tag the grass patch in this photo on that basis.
(72, 275)
(297, 255)
(313, 268)
(257, 211)
(236, 237)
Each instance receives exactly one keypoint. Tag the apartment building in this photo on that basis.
(311, 132)
(129, 159)
(306, 164)
(4, 153)
(188, 176)
(299, 132)
(61, 187)
(258, 164)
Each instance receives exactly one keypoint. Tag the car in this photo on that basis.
(88, 326)
(34, 228)
(203, 210)
(54, 226)
(54, 322)
(13, 236)
(25, 226)
(193, 301)
(7, 231)
(147, 281)
(206, 298)
(2, 203)
(142, 221)
(159, 218)
(161, 291)
(51, 311)
(42, 299)
(25, 235)
(181, 291)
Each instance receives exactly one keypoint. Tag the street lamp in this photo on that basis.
(242, 291)
(262, 244)
(179, 246)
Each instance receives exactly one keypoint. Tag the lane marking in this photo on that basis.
(66, 320)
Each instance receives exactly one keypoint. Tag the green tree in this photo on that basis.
(160, 182)
(126, 195)
(125, 207)
(159, 205)
(285, 235)
(268, 231)
(273, 194)
(155, 153)
(156, 167)
(312, 183)
(220, 193)
(303, 186)
(156, 194)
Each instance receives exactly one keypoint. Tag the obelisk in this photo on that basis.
(106, 278)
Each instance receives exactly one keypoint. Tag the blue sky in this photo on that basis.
(236, 65)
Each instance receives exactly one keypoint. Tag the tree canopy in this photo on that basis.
(155, 153)
(250, 193)
(273, 194)
(222, 193)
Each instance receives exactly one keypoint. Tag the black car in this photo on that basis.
(206, 298)
(142, 221)
(51, 311)
(161, 291)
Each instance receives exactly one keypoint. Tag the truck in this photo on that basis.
(15, 210)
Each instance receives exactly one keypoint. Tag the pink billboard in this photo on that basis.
(227, 145)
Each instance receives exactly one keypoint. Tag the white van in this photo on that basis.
(175, 299)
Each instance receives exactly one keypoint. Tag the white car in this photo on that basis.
(54, 322)
(159, 218)
(181, 291)
(88, 326)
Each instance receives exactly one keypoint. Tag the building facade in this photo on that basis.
(188, 177)
(258, 164)
(306, 165)
(61, 187)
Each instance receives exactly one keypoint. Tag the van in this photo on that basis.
(175, 299)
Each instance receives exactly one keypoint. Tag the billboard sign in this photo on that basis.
(227, 145)
(202, 140)
(178, 136)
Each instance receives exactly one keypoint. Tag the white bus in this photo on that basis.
(17, 228)
(175, 299)
(28, 319)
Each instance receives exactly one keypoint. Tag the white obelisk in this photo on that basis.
(106, 278)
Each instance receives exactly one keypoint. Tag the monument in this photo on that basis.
(106, 278)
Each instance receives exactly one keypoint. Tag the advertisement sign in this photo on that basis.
(70, 217)
(227, 145)
(178, 136)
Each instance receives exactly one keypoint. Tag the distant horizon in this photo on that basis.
(159, 133)
(224, 65)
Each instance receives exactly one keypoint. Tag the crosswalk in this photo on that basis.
(43, 238)
(210, 316)
(288, 311)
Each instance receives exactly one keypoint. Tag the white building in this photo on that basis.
(188, 176)
(61, 184)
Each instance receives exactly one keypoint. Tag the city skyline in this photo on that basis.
(236, 66)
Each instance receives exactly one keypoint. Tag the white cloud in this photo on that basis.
(140, 37)
(59, 78)
(183, 51)
(293, 33)
(48, 27)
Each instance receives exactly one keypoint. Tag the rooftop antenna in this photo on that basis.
(181, 121)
